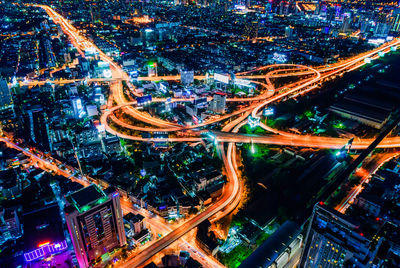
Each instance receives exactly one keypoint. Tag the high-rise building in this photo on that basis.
(335, 240)
(248, 3)
(289, 32)
(5, 95)
(187, 77)
(218, 103)
(36, 126)
(10, 227)
(77, 106)
(251, 29)
(346, 24)
(95, 223)
(381, 30)
(396, 22)
(152, 69)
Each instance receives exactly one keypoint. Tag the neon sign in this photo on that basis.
(45, 249)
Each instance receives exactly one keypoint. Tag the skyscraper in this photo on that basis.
(335, 240)
(36, 126)
(187, 77)
(95, 223)
(77, 106)
(5, 94)
(218, 103)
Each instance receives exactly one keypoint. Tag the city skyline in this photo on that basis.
(199, 134)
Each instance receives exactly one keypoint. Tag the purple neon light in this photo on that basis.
(46, 249)
(115, 194)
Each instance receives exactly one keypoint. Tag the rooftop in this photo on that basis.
(84, 199)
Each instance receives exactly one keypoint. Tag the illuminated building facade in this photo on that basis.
(5, 95)
(95, 223)
(218, 103)
(335, 240)
(43, 233)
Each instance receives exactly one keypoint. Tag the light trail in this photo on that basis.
(228, 201)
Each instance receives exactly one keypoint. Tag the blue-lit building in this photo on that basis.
(43, 233)
(335, 240)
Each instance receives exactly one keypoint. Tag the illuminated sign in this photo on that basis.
(393, 48)
(268, 111)
(134, 73)
(279, 57)
(152, 65)
(43, 244)
(240, 7)
(45, 249)
(221, 78)
(243, 82)
(381, 53)
(367, 60)
(377, 42)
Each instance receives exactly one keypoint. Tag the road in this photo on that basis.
(368, 168)
(231, 193)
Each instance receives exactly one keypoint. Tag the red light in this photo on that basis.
(361, 234)
(378, 219)
(43, 244)
(321, 203)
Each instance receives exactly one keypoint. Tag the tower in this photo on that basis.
(95, 223)
(5, 95)
(334, 240)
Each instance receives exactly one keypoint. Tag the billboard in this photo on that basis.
(221, 78)
(376, 42)
(268, 111)
(243, 82)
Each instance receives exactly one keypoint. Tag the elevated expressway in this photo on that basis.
(231, 194)
(225, 205)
